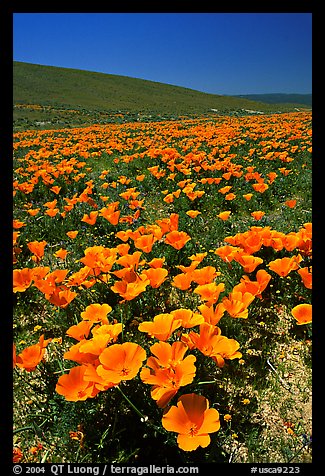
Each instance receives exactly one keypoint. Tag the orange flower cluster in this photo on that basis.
(103, 363)
(190, 160)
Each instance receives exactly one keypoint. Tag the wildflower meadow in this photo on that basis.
(162, 280)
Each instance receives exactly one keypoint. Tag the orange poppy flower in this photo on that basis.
(145, 243)
(91, 218)
(18, 224)
(99, 259)
(236, 304)
(306, 276)
(212, 344)
(51, 212)
(210, 292)
(254, 287)
(204, 275)
(33, 211)
(80, 331)
(22, 279)
(188, 317)
(72, 234)
(182, 281)
(272, 176)
(156, 276)
(56, 189)
(283, 266)
(131, 289)
(162, 326)
(96, 313)
(30, 357)
(198, 257)
(227, 252)
(230, 196)
(37, 248)
(79, 277)
(224, 215)
(130, 260)
(258, 215)
(17, 455)
(74, 387)
(120, 362)
(291, 203)
(61, 296)
(111, 216)
(168, 370)
(156, 263)
(82, 356)
(193, 420)
(210, 314)
(177, 239)
(260, 187)
(302, 313)
(248, 262)
(291, 241)
(248, 196)
(92, 376)
(193, 213)
(61, 253)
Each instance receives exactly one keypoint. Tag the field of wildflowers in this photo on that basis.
(162, 291)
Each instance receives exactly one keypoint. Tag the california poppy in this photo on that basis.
(182, 281)
(91, 218)
(283, 266)
(145, 243)
(291, 203)
(96, 313)
(211, 314)
(306, 276)
(72, 234)
(162, 326)
(188, 317)
(177, 239)
(156, 276)
(22, 279)
(204, 275)
(193, 420)
(210, 292)
(31, 356)
(168, 370)
(258, 215)
(193, 213)
(254, 287)
(237, 302)
(74, 387)
(224, 215)
(302, 313)
(37, 248)
(129, 289)
(61, 253)
(121, 362)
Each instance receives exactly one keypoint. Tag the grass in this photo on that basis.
(264, 397)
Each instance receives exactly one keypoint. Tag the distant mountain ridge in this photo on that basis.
(279, 98)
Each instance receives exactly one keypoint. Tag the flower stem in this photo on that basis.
(131, 404)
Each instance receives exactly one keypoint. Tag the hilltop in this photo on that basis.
(53, 97)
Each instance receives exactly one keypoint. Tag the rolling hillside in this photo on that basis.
(283, 98)
(52, 97)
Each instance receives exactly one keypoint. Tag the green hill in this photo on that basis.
(280, 98)
(52, 97)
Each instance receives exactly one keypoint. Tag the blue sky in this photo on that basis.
(218, 53)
